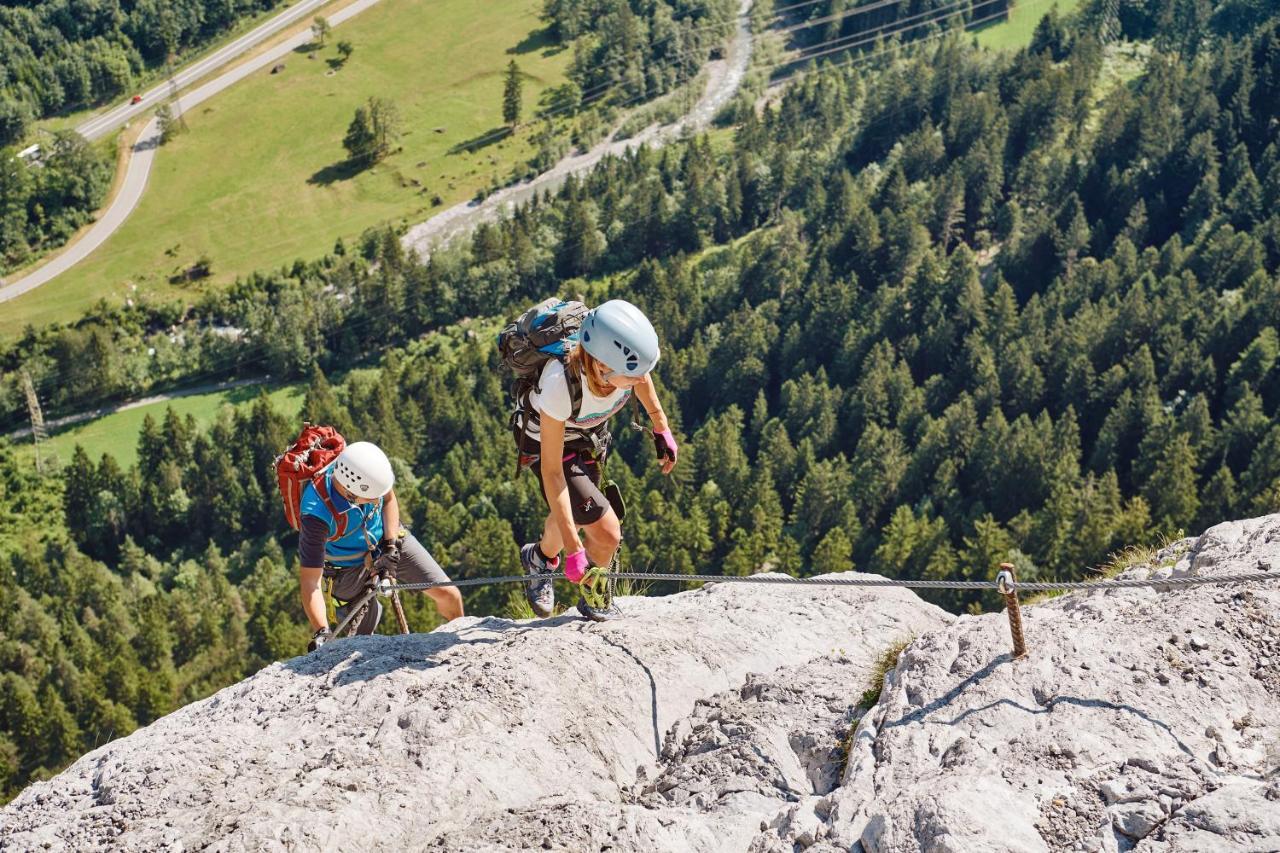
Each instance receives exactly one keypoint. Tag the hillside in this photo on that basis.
(939, 309)
(706, 721)
(262, 177)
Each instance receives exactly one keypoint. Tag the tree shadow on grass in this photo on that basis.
(335, 172)
(246, 393)
(538, 40)
(475, 143)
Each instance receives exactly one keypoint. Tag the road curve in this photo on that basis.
(138, 167)
(723, 79)
(137, 170)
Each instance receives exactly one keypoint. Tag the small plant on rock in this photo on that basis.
(888, 660)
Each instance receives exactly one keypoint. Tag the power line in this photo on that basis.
(259, 353)
(928, 23)
(848, 13)
(558, 112)
(597, 92)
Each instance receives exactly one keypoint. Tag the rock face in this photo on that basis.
(730, 719)
(491, 734)
(1141, 720)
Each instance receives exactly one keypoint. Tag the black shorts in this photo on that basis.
(581, 474)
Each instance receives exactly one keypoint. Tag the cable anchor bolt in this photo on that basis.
(1007, 584)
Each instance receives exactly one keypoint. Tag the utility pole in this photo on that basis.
(38, 432)
(173, 93)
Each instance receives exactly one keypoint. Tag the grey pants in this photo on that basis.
(416, 566)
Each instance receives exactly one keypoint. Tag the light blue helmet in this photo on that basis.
(618, 334)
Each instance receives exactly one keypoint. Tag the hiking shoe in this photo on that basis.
(599, 614)
(541, 592)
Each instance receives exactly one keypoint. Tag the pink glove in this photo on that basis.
(665, 443)
(575, 566)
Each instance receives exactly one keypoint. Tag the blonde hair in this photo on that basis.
(583, 363)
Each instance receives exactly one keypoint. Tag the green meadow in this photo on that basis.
(260, 177)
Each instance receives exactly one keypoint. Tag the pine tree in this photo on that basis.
(914, 547)
(512, 86)
(78, 495)
(1071, 235)
(360, 140)
(387, 125)
(834, 553)
(61, 739)
(168, 124)
(582, 244)
(1218, 499)
(1050, 36)
(1172, 490)
(373, 131)
(320, 405)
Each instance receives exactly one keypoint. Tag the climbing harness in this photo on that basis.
(358, 608)
(355, 614)
(361, 605)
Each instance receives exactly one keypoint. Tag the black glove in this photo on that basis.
(319, 638)
(665, 444)
(389, 560)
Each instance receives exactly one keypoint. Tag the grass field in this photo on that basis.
(1016, 32)
(118, 434)
(258, 181)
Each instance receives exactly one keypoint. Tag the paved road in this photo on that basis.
(113, 119)
(138, 167)
(137, 170)
(723, 79)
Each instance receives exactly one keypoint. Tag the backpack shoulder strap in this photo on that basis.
(339, 519)
(635, 413)
(574, 382)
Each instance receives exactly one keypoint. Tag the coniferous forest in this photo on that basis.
(920, 315)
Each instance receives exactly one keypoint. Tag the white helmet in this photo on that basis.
(364, 470)
(618, 334)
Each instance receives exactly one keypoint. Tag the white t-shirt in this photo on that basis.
(555, 400)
